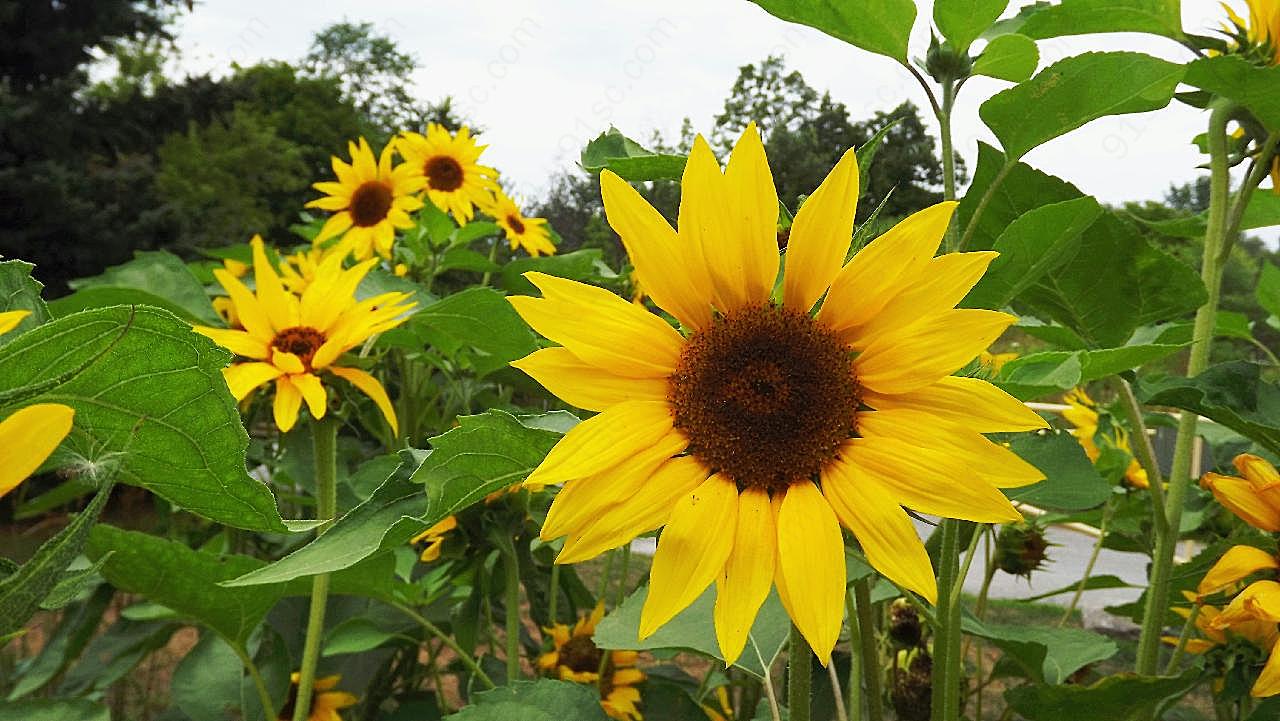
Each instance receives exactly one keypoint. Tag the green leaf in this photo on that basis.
(72, 585)
(1263, 211)
(612, 150)
(150, 404)
(465, 259)
(50, 710)
(77, 626)
(206, 683)
(1039, 374)
(19, 291)
(1023, 189)
(1098, 364)
(583, 265)
(1232, 394)
(1034, 244)
(1011, 57)
(694, 630)
(541, 700)
(962, 21)
(1075, 91)
(878, 26)
(480, 319)
(1092, 583)
(1047, 654)
(152, 277)
(1268, 293)
(356, 635)
(1080, 17)
(22, 591)
(1231, 76)
(1071, 482)
(1123, 697)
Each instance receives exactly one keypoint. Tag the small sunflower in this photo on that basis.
(433, 538)
(1255, 497)
(1082, 413)
(577, 658)
(449, 166)
(29, 436)
(370, 199)
(756, 431)
(325, 702)
(530, 234)
(1253, 614)
(298, 270)
(293, 340)
(11, 318)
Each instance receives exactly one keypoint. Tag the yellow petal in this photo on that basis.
(993, 463)
(586, 386)
(703, 223)
(236, 341)
(1237, 563)
(675, 281)
(27, 437)
(691, 551)
(1257, 469)
(11, 318)
(1268, 683)
(288, 401)
(370, 386)
(1259, 601)
(250, 312)
(943, 283)
(751, 254)
(884, 267)
(280, 305)
(811, 559)
(926, 352)
(312, 392)
(1239, 496)
(748, 573)
(820, 236)
(336, 225)
(883, 529)
(972, 401)
(286, 361)
(242, 378)
(602, 441)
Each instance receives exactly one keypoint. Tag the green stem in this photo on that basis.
(1088, 568)
(622, 578)
(948, 155)
(1146, 456)
(837, 693)
(987, 195)
(553, 602)
(324, 438)
(448, 640)
(1216, 245)
(1261, 166)
(493, 258)
(946, 662)
(799, 677)
(513, 616)
(870, 658)
(264, 696)
(855, 658)
(1183, 637)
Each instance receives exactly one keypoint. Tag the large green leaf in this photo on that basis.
(1071, 482)
(1080, 17)
(152, 277)
(476, 318)
(19, 291)
(150, 405)
(694, 630)
(1232, 394)
(1123, 697)
(612, 150)
(1050, 372)
(541, 700)
(1075, 91)
(206, 684)
(1047, 654)
(1034, 244)
(584, 265)
(1231, 76)
(1268, 292)
(1011, 57)
(880, 26)
(1023, 189)
(962, 21)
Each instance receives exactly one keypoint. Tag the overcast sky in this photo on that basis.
(544, 77)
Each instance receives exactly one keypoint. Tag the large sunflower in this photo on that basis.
(530, 234)
(294, 340)
(371, 200)
(449, 165)
(577, 658)
(761, 426)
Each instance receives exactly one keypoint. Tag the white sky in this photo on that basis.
(544, 77)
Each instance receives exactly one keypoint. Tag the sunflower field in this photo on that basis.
(767, 445)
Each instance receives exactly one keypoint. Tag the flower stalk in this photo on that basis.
(324, 437)
(869, 658)
(946, 647)
(799, 677)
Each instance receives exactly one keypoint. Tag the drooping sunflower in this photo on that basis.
(756, 430)
(1258, 40)
(433, 538)
(449, 166)
(1082, 412)
(530, 234)
(325, 702)
(11, 318)
(577, 658)
(296, 340)
(370, 200)
(29, 436)
(1254, 497)
(1254, 612)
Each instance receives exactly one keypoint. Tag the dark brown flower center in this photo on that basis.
(581, 654)
(516, 224)
(765, 395)
(370, 203)
(443, 173)
(300, 341)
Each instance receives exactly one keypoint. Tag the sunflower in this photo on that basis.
(530, 234)
(29, 436)
(448, 165)
(1253, 614)
(1082, 413)
(577, 658)
(433, 538)
(297, 270)
(292, 339)
(11, 318)
(993, 362)
(1258, 39)
(1255, 498)
(325, 703)
(371, 200)
(758, 428)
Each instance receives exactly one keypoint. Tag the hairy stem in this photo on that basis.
(324, 438)
(946, 661)
(798, 677)
(466, 658)
(870, 658)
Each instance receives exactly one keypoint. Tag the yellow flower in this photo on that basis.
(1261, 633)
(1260, 34)
(11, 318)
(723, 710)
(371, 200)
(433, 538)
(449, 165)
(993, 362)
(577, 658)
(235, 267)
(530, 234)
(298, 270)
(1082, 413)
(1235, 565)
(1254, 614)
(750, 435)
(292, 339)
(325, 703)
(1255, 498)
(27, 437)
